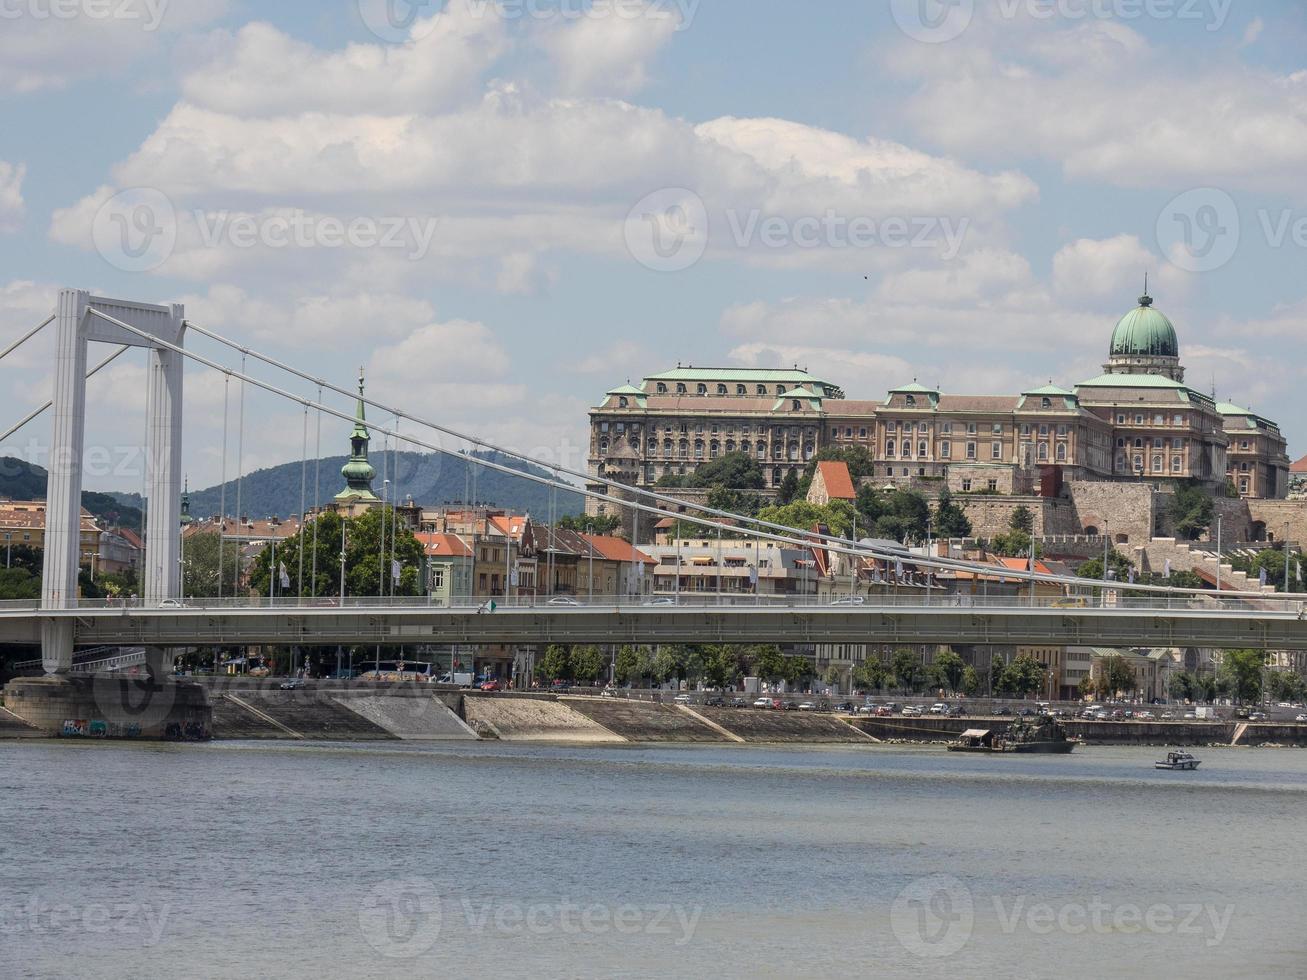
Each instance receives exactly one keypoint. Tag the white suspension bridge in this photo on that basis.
(61, 622)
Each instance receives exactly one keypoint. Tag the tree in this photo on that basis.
(768, 663)
(1242, 671)
(1182, 686)
(950, 517)
(908, 670)
(590, 523)
(19, 583)
(201, 568)
(1191, 511)
(734, 471)
(970, 682)
(1013, 544)
(951, 669)
(1115, 676)
(870, 675)
(798, 671)
(1022, 520)
(736, 501)
(1023, 676)
(629, 668)
(556, 664)
(788, 491)
(898, 515)
(721, 665)
(1118, 563)
(665, 664)
(588, 664)
(837, 515)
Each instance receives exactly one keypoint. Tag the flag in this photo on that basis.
(898, 569)
(394, 569)
(1132, 576)
(1166, 572)
(1297, 570)
(285, 577)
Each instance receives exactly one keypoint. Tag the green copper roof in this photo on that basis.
(913, 389)
(1051, 391)
(358, 472)
(1132, 381)
(1145, 332)
(1230, 410)
(627, 389)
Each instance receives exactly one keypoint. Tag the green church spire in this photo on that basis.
(358, 472)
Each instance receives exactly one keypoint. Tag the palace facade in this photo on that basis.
(1137, 422)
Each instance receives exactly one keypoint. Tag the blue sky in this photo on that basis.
(549, 196)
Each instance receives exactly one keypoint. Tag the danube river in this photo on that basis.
(490, 860)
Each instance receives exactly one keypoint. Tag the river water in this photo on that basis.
(489, 860)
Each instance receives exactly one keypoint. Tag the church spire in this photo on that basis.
(358, 472)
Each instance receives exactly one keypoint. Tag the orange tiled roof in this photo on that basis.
(444, 545)
(839, 483)
(1300, 466)
(615, 549)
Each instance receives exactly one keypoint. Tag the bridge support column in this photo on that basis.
(63, 502)
(164, 472)
(160, 662)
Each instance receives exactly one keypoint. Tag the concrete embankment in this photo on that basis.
(532, 719)
(11, 726)
(643, 721)
(1177, 733)
(753, 725)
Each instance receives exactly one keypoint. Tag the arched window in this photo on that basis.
(762, 389)
(681, 389)
(721, 389)
(1043, 450)
(1061, 452)
(741, 390)
(780, 389)
(921, 449)
(798, 405)
(889, 447)
(1157, 464)
(1047, 403)
(603, 447)
(623, 402)
(703, 389)
(662, 388)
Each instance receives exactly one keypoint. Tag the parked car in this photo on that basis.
(912, 711)
(1003, 711)
(954, 712)
(291, 685)
(939, 708)
(849, 600)
(739, 703)
(563, 600)
(681, 699)
(789, 706)
(607, 692)
(1257, 716)
(1302, 717)
(663, 601)
(1144, 716)
(492, 685)
(714, 701)
(560, 686)
(1168, 716)
(807, 706)
(762, 703)
(845, 706)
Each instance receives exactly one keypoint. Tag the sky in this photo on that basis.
(502, 209)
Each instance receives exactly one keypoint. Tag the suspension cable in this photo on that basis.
(804, 539)
(304, 487)
(240, 470)
(317, 496)
(27, 336)
(46, 407)
(222, 491)
(833, 542)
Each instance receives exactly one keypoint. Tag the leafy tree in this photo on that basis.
(1013, 544)
(363, 559)
(1272, 561)
(870, 675)
(798, 671)
(898, 515)
(1022, 520)
(970, 682)
(634, 665)
(25, 557)
(666, 664)
(200, 567)
(1242, 671)
(951, 669)
(768, 663)
(1117, 562)
(837, 515)
(1023, 676)
(721, 665)
(1115, 676)
(19, 583)
(556, 664)
(590, 524)
(1191, 511)
(1285, 686)
(588, 664)
(788, 491)
(1183, 686)
(734, 471)
(908, 670)
(950, 517)
(736, 501)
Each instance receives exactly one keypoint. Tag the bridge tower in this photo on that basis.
(77, 326)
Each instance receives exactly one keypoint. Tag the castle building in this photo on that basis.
(1137, 422)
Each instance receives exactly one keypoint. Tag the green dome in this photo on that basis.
(1145, 332)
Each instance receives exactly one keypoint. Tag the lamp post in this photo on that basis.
(1218, 557)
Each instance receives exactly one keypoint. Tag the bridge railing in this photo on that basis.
(905, 599)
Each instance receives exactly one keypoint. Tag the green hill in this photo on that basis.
(430, 479)
(21, 480)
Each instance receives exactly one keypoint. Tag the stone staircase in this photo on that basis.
(1184, 557)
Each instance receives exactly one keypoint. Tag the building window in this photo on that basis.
(998, 429)
(993, 486)
(603, 447)
(623, 402)
(1061, 431)
(971, 428)
(1139, 420)
(1061, 452)
(1046, 403)
(1120, 420)
(1139, 464)
(1025, 428)
(996, 450)
(780, 389)
(921, 449)
(662, 388)
(891, 426)
(966, 486)
(1179, 420)
(1176, 464)
(721, 389)
(437, 577)
(946, 428)
(1043, 451)
(741, 390)
(911, 401)
(889, 447)
(971, 450)
(1043, 431)
(945, 450)
(1243, 486)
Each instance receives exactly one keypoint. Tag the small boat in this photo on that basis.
(1043, 735)
(1177, 760)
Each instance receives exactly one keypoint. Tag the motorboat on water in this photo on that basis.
(1181, 761)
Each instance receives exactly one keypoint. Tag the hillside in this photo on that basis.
(20, 480)
(430, 479)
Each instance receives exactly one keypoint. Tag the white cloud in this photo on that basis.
(1107, 105)
(609, 55)
(261, 71)
(1100, 272)
(11, 195)
(41, 51)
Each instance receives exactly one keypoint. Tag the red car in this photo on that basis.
(777, 704)
(492, 685)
